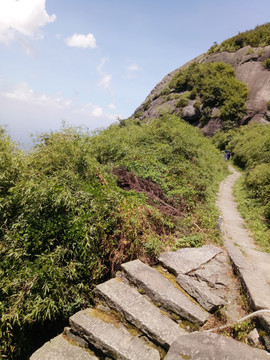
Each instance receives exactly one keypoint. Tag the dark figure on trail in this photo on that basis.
(227, 155)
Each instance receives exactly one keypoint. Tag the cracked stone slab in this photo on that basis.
(139, 311)
(163, 291)
(186, 260)
(257, 289)
(206, 345)
(60, 349)
(215, 272)
(115, 341)
(200, 291)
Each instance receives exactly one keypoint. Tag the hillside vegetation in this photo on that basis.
(208, 91)
(80, 204)
(213, 85)
(251, 152)
(258, 37)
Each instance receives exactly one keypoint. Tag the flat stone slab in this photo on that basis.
(186, 260)
(200, 291)
(163, 291)
(256, 288)
(258, 291)
(206, 345)
(139, 311)
(113, 340)
(215, 272)
(61, 349)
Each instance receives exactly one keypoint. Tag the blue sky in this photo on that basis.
(87, 62)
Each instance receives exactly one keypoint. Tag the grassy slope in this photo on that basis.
(67, 225)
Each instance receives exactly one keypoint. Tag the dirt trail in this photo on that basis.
(235, 229)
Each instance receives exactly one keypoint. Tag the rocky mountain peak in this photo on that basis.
(194, 105)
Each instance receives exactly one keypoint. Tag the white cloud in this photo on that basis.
(105, 79)
(132, 70)
(25, 111)
(82, 41)
(25, 17)
(22, 92)
(97, 111)
(111, 106)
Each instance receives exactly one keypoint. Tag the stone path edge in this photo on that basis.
(252, 282)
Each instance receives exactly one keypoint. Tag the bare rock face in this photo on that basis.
(191, 114)
(250, 70)
(248, 64)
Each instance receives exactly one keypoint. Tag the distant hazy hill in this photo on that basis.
(227, 86)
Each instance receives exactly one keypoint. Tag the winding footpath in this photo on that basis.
(252, 264)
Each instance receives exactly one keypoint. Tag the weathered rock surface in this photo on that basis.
(204, 346)
(139, 311)
(201, 292)
(249, 69)
(163, 291)
(113, 340)
(215, 272)
(253, 337)
(257, 289)
(191, 114)
(186, 260)
(61, 349)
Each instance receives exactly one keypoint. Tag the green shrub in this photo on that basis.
(67, 224)
(260, 36)
(183, 101)
(215, 85)
(251, 150)
(249, 51)
(266, 64)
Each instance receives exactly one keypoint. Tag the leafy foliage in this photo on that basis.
(66, 225)
(214, 85)
(258, 37)
(266, 64)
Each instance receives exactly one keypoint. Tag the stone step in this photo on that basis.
(200, 291)
(206, 345)
(163, 291)
(255, 286)
(110, 337)
(186, 260)
(139, 311)
(59, 348)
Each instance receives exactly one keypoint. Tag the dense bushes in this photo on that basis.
(67, 225)
(251, 151)
(214, 85)
(260, 36)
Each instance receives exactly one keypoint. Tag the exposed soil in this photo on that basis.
(156, 196)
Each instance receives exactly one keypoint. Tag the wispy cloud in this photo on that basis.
(29, 111)
(22, 92)
(24, 17)
(132, 71)
(111, 106)
(105, 79)
(82, 41)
